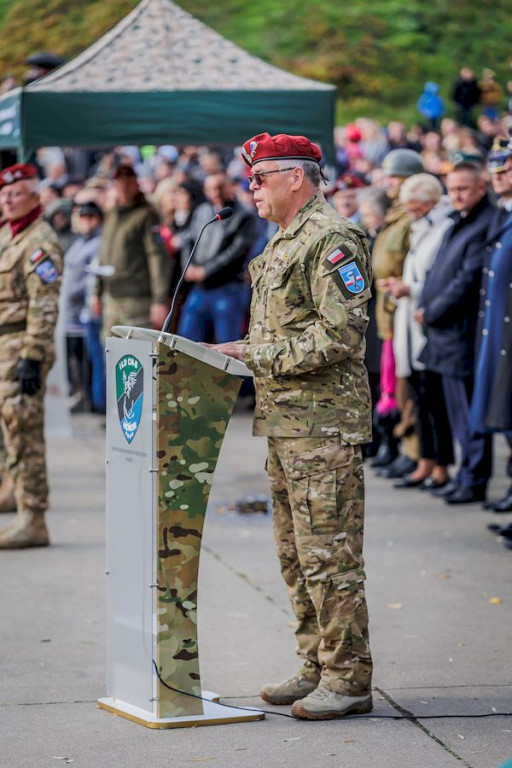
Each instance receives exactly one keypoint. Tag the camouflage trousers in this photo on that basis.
(125, 310)
(318, 498)
(22, 423)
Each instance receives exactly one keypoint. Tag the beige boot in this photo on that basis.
(28, 529)
(7, 500)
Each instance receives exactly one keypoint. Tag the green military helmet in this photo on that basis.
(402, 162)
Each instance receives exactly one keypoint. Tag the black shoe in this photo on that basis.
(502, 505)
(409, 482)
(506, 532)
(385, 455)
(401, 466)
(447, 490)
(496, 527)
(466, 496)
(433, 485)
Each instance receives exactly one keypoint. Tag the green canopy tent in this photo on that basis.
(160, 76)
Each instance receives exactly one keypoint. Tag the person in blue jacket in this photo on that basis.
(430, 105)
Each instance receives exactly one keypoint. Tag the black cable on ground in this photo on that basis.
(404, 714)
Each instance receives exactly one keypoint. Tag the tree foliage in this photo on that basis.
(378, 53)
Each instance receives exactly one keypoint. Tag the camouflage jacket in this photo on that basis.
(30, 275)
(306, 343)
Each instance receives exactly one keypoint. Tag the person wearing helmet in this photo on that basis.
(389, 251)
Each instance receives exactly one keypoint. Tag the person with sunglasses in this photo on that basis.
(306, 345)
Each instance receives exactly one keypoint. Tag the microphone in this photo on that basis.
(223, 214)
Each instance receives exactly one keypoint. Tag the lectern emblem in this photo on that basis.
(130, 393)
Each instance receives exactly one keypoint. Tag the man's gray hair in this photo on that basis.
(376, 198)
(310, 167)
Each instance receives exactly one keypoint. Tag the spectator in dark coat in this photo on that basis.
(448, 307)
(217, 297)
(465, 95)
(491, 406)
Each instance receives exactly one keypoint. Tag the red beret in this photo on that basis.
(18, 172)
(279, 147)
(349, 181)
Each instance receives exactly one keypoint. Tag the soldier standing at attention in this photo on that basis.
(306, 347)
(30, 273)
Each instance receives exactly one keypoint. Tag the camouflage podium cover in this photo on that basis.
(169, 402)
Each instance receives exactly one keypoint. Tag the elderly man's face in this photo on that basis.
(272, 195)
(18, 199)
(465, 189)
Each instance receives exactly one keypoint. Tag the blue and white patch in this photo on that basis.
(47, 271)
(352, 278)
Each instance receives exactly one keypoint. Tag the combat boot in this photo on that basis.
(28, 529)
(288, 691)
(7, 500)
(323, 704)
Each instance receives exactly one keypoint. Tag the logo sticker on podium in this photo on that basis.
(130, 393)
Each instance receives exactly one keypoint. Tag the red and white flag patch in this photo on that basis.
(336, 256)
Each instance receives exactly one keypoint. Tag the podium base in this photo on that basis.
(214, 714)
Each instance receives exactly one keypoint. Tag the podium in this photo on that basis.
(169, 401)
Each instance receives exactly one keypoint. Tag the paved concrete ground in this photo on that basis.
(441, 642)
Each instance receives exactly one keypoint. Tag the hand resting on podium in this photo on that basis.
(229, 348)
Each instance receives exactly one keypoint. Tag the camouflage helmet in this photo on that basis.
(402, 162)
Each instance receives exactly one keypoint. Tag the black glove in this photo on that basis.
(29, 375)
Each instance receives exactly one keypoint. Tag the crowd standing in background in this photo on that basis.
(435, 200)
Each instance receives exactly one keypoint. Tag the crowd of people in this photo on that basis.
(435, 202)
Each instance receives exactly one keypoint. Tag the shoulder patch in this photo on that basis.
(352, 277)
(347, 271)
(46, 271)
(37, 256)
(336, 256)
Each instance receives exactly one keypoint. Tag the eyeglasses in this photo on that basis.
(258, 178)
(14, 195)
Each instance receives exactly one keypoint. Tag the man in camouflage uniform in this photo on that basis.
(306, 348)
(30, 270)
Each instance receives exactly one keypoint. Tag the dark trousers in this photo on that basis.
(476, 450)
(433, 426)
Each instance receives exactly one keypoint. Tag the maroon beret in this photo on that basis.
(349, 181)
(18, 172)
(279, 147)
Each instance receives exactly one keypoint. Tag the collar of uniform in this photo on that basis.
(315, 202)
(20, 225)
